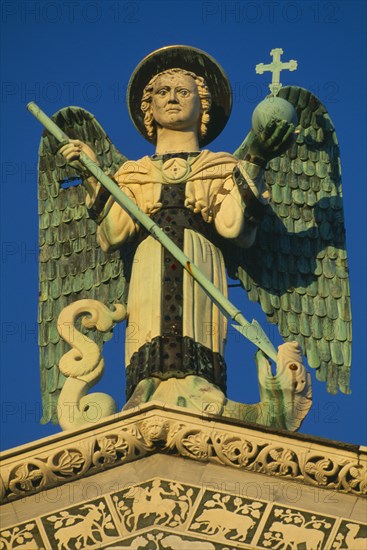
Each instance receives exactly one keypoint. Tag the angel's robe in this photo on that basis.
(174, 329)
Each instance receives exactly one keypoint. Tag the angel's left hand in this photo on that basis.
(274, 140)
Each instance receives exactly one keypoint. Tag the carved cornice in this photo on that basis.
(153, 429)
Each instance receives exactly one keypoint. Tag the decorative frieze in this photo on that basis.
(154, 429)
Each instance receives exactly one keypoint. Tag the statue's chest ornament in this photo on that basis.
(175, 170)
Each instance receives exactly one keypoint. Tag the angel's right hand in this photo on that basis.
(71, 151)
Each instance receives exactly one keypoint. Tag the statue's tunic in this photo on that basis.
(174, 330)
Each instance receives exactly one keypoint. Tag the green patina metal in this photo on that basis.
(252, 331)
(298, 269)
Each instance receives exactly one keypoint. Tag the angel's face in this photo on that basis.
(176, 103)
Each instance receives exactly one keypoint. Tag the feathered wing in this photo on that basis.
(297, 269)
(72, 265)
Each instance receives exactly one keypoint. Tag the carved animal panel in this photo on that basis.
(156, 502)
(229, 517)
(80, 527)
(351, 535)
(291, 529)
(161, 514)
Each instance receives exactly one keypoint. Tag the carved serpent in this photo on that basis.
(83, 365)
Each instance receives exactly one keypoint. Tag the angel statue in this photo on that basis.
(269, 215)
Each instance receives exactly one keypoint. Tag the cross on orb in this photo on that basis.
(275, 67)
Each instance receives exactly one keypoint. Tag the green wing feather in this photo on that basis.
(72, 265)
(297, 269)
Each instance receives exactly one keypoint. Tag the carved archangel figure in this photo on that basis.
(271, 214)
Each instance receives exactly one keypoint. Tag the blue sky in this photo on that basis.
(60, 53)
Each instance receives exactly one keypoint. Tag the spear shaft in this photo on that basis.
(252, 331)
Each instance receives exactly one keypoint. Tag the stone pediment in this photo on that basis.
(159, 477)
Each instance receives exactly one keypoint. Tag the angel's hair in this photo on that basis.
(203, 91)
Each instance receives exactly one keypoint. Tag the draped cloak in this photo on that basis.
(173, 329)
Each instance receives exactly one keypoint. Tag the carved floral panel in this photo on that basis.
(169, 540)
(128, 440)
(22, 536)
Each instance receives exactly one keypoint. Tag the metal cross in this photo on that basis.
(275, 67)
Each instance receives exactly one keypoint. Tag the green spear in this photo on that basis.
(252, 331)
